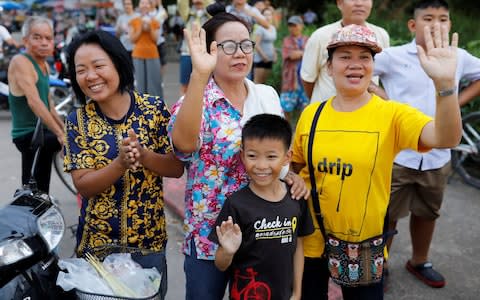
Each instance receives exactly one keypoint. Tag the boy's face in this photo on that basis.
(295, 29)
(263, 159)
(355, 11)
(427, 17)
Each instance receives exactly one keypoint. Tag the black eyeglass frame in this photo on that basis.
(239, 44)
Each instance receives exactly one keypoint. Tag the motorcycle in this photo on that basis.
(31, 228)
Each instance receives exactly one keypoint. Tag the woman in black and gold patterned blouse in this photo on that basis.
(117, 151)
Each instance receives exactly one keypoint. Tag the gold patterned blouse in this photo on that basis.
(131, 211)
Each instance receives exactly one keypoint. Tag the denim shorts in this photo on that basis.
(157, 260)
(203, 279)
(293, 100)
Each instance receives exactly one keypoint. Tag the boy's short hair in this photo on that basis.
(424, 4)
(268, 126)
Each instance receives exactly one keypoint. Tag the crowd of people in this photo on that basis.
(370, 146)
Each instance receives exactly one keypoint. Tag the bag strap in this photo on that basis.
(314, 193)
(311, 170)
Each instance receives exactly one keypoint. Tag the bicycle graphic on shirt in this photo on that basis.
(253, 290)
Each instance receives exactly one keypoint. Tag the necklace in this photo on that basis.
(117, 127)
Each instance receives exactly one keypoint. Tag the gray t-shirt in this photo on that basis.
(268, 37)
(122, 25)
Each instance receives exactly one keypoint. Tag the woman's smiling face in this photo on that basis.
(238, 65)
(351, 68)
(95, 72)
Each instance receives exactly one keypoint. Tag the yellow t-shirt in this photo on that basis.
(353, 154)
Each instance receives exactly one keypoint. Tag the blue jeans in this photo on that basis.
(157, 260)
(185, 69)
(203, 280)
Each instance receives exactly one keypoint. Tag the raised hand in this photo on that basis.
(439, 59)
(229, 236)
(202, 61)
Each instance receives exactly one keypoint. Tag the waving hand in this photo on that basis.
(202, 61)
(439, 59)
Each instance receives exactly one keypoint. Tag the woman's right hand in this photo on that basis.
(202, 61)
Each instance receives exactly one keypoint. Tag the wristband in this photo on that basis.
(447, 92)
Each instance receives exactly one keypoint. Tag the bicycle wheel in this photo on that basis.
(465, 161)
(258, 291)
(64, 177)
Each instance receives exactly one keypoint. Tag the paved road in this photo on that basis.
(455, 246)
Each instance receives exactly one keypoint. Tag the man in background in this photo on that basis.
(316, 81)
(29, 101)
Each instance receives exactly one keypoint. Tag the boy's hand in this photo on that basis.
(229, 236)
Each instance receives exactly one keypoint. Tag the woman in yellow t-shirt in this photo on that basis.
(355, 142)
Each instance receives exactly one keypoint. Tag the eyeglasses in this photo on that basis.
(230, 47)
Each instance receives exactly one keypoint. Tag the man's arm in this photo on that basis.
(22, 73)
(308, 87)
(377, 90)
(7, 37)
(12, 42)
(468, 93)
(259, 18)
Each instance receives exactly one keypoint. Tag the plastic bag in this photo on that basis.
(144, 282)
(82, 276)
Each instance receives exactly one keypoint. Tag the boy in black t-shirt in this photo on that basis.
(260, 227)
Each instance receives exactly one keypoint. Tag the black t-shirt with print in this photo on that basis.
(264, 262)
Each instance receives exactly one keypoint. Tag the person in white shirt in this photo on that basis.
(6, 37)
(419, 179)
(316, 81)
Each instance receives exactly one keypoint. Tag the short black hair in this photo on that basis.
(268, 126)
(424, 4)
(114, 49)
(219, 17)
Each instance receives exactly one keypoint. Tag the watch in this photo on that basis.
(447, 92)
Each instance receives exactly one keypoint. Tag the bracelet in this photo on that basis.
(447, 92)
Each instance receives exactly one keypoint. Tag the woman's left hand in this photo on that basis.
(298, 188)
(439, 59)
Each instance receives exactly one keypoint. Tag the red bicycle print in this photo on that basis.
(253, 290)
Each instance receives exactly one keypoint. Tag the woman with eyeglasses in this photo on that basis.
(206, 132)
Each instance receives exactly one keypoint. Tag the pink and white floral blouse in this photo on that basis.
(215, 170)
